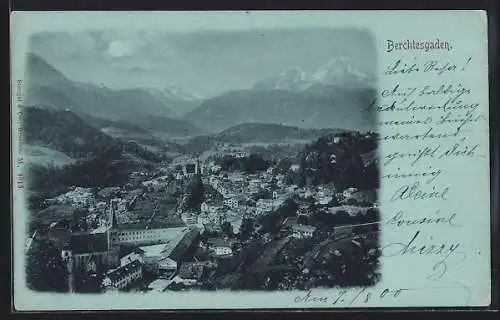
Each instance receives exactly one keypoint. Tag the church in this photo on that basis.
(98, 248)
(92, 249)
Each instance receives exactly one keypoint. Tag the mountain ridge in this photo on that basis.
(49, 87)
(317, 107)
(66, 133)
(258, 133)
(176, 99)
(270, 132)
(335, 96)
(339, 71)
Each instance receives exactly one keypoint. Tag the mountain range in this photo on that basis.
(257, 134)
(319, 106)
(271, 133)
(65, 132)
(48, 87)
(335, 96)
(178, 100)
(339, 71)
(68, 134)
(64, 151)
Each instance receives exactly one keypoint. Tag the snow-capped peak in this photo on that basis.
(291, 78)
(294, 73)
(339, 70)
(172, 92)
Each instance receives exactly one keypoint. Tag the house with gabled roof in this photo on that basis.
(123, 276)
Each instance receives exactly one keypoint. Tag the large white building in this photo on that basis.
(189, 218)
(90, 250)
(167, 267)
(220, 247)
(347, 193)
(223, 251)
(123, 276)
(231, 203)
(138, 236)
(162, 259)
(303, 231)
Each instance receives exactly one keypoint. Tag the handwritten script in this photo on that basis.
(370, 296)
(426, 113)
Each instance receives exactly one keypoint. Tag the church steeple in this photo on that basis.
(113, 209)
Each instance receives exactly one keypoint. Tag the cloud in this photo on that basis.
(206, 62)
(64, 45)
(118, 49)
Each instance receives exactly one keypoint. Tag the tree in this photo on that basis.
(80, 213)
(45, 270)
(301, 175)
(372, 215)
(288, 208)
(352, 174)
(94, 224)
(269, 222)
(227, 228)
(334, 202)
(284, 165)
(195, 193)
(273, 183)
(208, 285)
(253, 163)
(290, 177)
(246, 229)
(371, 176)
(302, 219)
(342, 217)
(88, 281)
(262, 193)
(36, 201)
(324, 162)
(206, 234)
(170, 177)
(177, 286)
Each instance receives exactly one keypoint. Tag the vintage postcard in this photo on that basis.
(250, 160)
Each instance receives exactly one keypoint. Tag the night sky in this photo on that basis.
(206, 63)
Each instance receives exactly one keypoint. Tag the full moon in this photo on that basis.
(118, 49)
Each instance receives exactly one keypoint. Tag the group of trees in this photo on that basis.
(271, 222)
(98, 171)
(45, 270)
(321, 218)
(101, 159)
(194, 194)
(241, 260)
(350, 269)
(276, 152)
(250, 164)
(65, 132)
(327, 160)
(141, 152)
(88, 281)
(108, 168)
(227, 228)
(246, 228)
